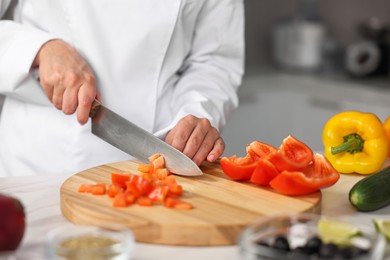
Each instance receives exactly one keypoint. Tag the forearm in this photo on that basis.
(206, 93)
(212, 73)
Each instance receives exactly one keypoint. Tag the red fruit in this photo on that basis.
(12, 223)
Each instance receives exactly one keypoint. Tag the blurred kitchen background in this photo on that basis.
(307, 60)
(335, 24)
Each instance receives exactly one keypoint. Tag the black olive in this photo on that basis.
(313, 246)
(297, 253)
(350, 252)
(281, 243)
(346, 252)
(299, 249)
(328, 250)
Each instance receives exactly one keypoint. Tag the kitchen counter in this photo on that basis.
(40, 196)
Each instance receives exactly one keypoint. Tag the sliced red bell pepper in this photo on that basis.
(260, 149)
(264, 172)
(292, 183)
(320, 174)
(293, 155)
(238, 168)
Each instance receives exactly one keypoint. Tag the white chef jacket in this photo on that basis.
(156, 61)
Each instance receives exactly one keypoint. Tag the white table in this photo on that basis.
(41, 198)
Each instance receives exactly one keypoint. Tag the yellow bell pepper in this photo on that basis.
(386, 125)
(355, 142)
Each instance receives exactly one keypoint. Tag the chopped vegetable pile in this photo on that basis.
(156, 185)
(292, 169)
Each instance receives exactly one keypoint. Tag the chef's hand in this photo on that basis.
(66, 78)
(197, 139)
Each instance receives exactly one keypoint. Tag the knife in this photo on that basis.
(137, 142)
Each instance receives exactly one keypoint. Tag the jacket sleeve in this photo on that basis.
(212, 73)
(19, 45)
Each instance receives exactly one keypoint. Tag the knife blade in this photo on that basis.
(138, 142)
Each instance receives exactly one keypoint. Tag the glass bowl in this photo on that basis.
(89, 242)
(266, 239)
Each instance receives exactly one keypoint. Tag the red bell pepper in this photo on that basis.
(292, 155)
(320, 174)
(242, 168)
(238, 168)
(264, 172)
(257, 149)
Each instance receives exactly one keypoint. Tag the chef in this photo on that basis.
(172, 67)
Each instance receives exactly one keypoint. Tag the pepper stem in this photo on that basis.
(353, 143)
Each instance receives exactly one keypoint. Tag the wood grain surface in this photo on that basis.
(222, 207)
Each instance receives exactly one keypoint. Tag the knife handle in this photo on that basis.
(94, 108)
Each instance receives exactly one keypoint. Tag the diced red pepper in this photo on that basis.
(144, 186)
(145, 168)
(177, 203)
(159, 193)
(144, 201)
(120, 178)
(86, 188)
(130, 197)
(114, 189)
(99, 189)
(149, 176)
(174, 188)
(154, 184)
(119, 201)
(131, 187)
(157, 162)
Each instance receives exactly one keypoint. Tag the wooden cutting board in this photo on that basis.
(222, 207)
